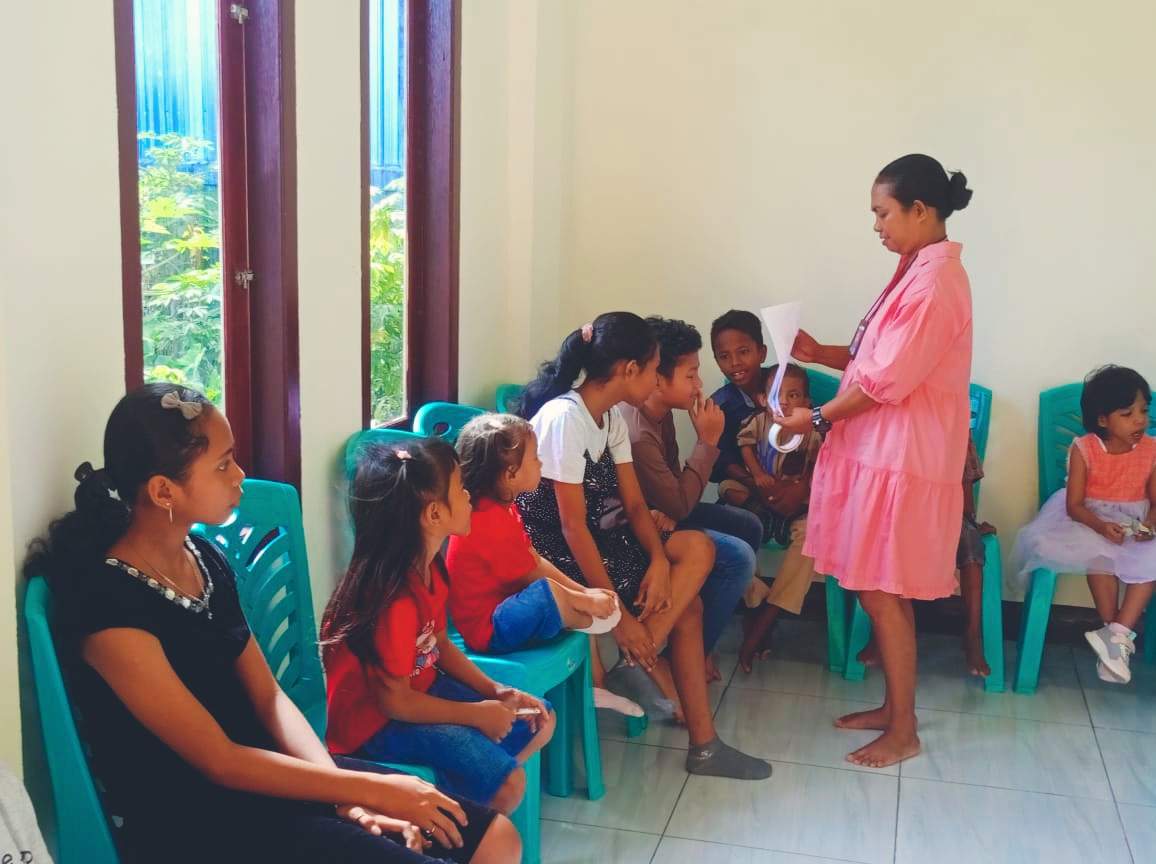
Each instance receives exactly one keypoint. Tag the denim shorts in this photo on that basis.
(971, 549)
(529, 616)
(465, 762)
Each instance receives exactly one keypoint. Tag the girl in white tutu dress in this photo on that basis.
(1102, 523)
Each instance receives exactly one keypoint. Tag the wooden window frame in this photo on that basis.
(433, 67)
(258, 180)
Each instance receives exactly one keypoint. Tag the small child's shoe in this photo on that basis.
(1114, 645)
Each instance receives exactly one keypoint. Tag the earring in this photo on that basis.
(170, 514)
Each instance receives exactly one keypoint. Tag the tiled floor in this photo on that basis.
(1066, 775)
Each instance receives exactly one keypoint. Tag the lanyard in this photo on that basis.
(874, 310)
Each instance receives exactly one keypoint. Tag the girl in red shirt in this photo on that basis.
(398, 689)
(504, 595)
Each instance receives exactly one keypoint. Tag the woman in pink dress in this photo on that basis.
(886, 501)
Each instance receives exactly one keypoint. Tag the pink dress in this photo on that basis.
(1117, 491)
(886, 499)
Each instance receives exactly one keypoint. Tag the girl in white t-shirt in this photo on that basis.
(589, 518)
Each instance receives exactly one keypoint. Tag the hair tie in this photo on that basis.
(403, 455)
(189, 410)
(587, 332)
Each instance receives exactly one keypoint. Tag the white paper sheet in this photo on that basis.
(783, 326)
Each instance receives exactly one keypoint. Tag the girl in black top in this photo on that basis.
(202, 755)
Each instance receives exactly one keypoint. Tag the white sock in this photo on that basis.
(613, 702)
(598, 626)
(1119, 628)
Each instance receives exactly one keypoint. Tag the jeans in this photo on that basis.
(737, 536)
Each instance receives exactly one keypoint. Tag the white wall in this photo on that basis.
(61, 342)
(722, 154)
(329, 272)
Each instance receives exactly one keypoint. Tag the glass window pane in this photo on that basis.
(180, 218)
(387, 270)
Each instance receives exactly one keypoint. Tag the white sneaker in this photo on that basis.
(1105, 674)
(1113, 649)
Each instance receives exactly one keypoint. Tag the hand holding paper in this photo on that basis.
(783, 325)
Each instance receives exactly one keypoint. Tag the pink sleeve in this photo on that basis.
(913, 339)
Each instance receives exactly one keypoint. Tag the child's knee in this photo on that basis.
(696, 550)
(501, 843)
(509, 794)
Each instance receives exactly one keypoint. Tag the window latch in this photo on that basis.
(243, 278)
(240, 12)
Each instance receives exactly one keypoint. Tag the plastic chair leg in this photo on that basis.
(588, 723)
(635, 726)
(1150, 634)
(558, 765)
(1037, 609)
(993, 615)
(528, 815)
(858, 636)
(836, 625)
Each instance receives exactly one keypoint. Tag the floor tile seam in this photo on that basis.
(907, 778)
(919, 708)
(765, 849)
(1112, 790)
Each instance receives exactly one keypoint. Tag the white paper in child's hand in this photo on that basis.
(783, 326)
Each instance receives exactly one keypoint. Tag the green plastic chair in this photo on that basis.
(264, 542)
(358, 441)
(1059, 424)
(859, 628)
(444, 419)
(506, 398)
(83, 833)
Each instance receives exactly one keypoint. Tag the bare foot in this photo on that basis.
(712, 673)
(758, 625)
(973, 651)
(664, 678)
(869, 656)
(876, 718)
(888, 749)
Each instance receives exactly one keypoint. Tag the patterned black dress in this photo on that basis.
(622, 555)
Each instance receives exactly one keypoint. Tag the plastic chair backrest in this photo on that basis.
(83, 834)
(980, 417)
(1061, 422)
(823, 386)
(264, 542)
(444, 419)
(506, 398)
(358, 441)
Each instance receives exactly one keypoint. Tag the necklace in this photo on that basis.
(173, 593)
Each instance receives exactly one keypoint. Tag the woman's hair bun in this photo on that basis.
(958, 195)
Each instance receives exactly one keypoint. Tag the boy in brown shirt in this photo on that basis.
(673, 489)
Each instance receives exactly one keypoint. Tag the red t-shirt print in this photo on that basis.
(406, 641)
(486, 566)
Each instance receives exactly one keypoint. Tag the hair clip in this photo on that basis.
(189, 410)
(403, 455)
(587, 332)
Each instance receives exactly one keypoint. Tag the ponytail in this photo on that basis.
(154, 430)
(595, 349)
(390, 491)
